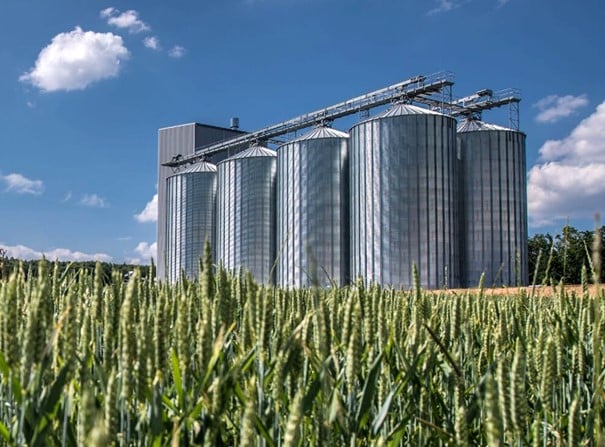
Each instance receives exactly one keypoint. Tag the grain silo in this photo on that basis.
(494, 204)
(403, 191)
(190, 204)
(245, 235)
(312, 209)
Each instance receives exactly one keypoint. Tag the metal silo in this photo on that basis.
(190, 219)
(312, 209)
(404, 185)
(245, 236)
(494, 204)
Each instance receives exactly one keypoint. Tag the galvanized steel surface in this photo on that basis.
(171, 141)
(404, 192)
(312, 210)
(245, 235)
(190, 220)
(181, 140)
(494, 201)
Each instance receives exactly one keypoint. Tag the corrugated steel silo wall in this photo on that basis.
(190, 220)
(245, 231)
(312, 212)
(494, 202)
(183, 140)
(404, 186)
(171, 141)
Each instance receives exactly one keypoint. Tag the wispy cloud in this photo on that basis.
(554, 107)
(569, 180)
(60, 254)
(22, 185)
(177, 52)
(130, 20)
(76, 59)
(444, 6)
(152, 42)
(150, 212)
(67, 197)
(94, 201)
(107, 12)
(449, 5)
(126, 20)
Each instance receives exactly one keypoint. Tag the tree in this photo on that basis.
(3, 262)
(562, 256)
(7, 265)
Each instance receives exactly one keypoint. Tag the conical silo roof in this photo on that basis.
(400, 109)
(200, 167)
(321, 132)
(254, 151)
(203, 166)
(476, 125)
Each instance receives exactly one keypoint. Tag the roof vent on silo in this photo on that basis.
(234, 123)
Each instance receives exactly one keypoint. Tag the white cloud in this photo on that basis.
(553, 108)
(152, 42)
(146, 251)
(61, 254)
(76, 59)
(93, 200)
(569, 180)
(150, 212)
(22, 185)
(502, 2)
(444, 6)
(127, 20)
(177, 52)
(108, 12)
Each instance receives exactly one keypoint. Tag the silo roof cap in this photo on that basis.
(476, 125)
(400, 109)
(203, 166)
(321, 132)
(254, 151)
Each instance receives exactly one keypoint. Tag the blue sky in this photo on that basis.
(85, 85)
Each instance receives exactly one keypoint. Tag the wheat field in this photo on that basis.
(223, 361)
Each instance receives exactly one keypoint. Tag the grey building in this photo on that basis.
(182, 140)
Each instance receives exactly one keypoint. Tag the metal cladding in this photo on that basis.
(181, 141)
(246, 212)
(312, 210)
(494, 202)
(403, 197)
(190, 202)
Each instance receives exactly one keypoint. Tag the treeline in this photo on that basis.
(561, 257)
(558, 257)
(30, 267)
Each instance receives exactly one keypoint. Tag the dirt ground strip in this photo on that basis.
(538, 291)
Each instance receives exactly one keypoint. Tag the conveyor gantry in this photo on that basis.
(405, 90)
(418, 89)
